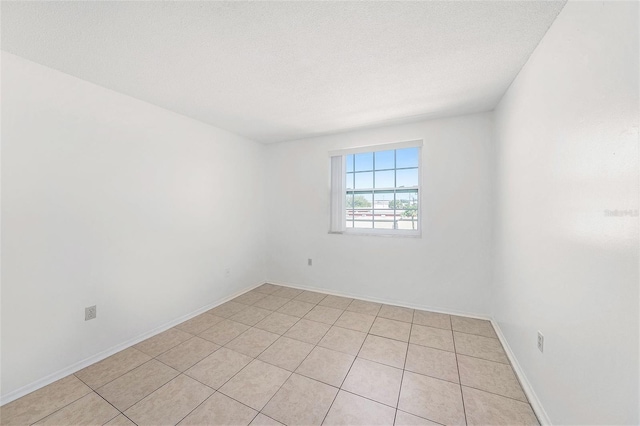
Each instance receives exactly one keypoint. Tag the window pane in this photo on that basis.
(381, 200)
(382, 189)
(349, 182)
(408, 224)
(349, 160)
(385, 179)
(384, 160)
(362, 224)
(383, 225)
(407, 157)
(348, 202)
(385, 214)
(405, 178)
(364, 180)
(364, 162)
(406, 198)
(360, 201)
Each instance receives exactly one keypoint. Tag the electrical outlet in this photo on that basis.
(309, 262)
(540, 342)
(90, 313)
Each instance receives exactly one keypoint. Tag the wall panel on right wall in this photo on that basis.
(566, 261)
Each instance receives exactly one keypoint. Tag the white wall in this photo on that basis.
(448, 268)
(111, 201)
(567, 150)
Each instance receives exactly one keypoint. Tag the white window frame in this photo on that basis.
(338, 191)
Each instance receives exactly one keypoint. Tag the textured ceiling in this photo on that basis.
(275, 71)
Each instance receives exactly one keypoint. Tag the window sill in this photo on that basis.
(372, 233)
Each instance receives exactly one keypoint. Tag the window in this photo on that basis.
(376, 190)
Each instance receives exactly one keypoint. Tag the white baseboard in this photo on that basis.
(538, 409)
(385, 301)
(11, 396)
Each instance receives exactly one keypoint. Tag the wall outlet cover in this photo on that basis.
(540, 342)
(90, 313)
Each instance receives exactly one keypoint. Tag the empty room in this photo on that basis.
(320, 213)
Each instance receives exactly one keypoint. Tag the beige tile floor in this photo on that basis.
(277, 355)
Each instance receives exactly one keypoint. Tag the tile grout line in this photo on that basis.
(293, 372)
(404, 369)
(65, 406)
(231, 378)
(93, 390)
(182, 373)
(464, 410)
(346, 375)
(196, 407)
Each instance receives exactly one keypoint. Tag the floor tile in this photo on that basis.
(188, 353)
(473, 326)
(433, 399)
(301, 401)
(327, 366)
(256, 291)
(227, 309)
(287, 292)
(286, 353)
(252, 342)
(353, 410)
(490, 376)
(432, 319)
(297, 308)
(308, 331)
(291, 380)
(480, 347)
(120, 420)
(406, 419)
(364, 307)
(396, 313)
(385, 351)
(355, 321)
(337, 302)
(88, 410)
(111, 368)
(170, 403)
(262, 420)
(433, 337)
(483, 408)
(39, 404)
(310, 297)
(343, 340)
(271, 303)
(392, 329)
(216, 369)
(224, 332)
(374, 381)
(249, 298)
(433, 362)
(251, 316)
(323, 314)
(162, 342)
(268, 288)
(199, 323)
(131, 387)
(255, 384)
(277, 323)
(219, 409)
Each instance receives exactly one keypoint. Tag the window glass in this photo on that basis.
(364, 162)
